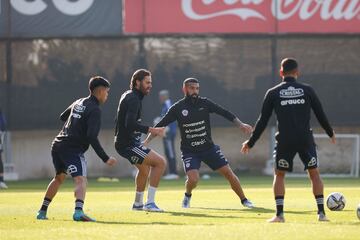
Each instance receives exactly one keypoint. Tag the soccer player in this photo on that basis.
(128, 131)
(169, 138)
(292, 102)
(193, 116)
(82, 125)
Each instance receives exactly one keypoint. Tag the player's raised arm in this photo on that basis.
(246, 128)
(216, 108)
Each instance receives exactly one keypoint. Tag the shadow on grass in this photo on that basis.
(119, 222)
(139, 223)
(344, 223)
(198, 215)
(255, 209)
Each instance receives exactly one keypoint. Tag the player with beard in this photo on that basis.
(193, 116)
(149, 163)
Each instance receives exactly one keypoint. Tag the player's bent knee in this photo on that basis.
(193, 178)
(60, 178)
(192, 181)
(228, 173)
(161, 162)
(155, 160)
(164, 163)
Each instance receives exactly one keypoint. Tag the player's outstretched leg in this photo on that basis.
(80, 191)
(234, 181)
(279, 192)
(318, 191)
(192, 178)
(158, 165)
(51, 191)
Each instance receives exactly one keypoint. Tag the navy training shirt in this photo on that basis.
(193, 118)
(82, 125)
(292, 102)
(128, 127)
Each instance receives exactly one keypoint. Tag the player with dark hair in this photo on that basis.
(82, 125)
(292, 102)
(193, 116)
(149, 163)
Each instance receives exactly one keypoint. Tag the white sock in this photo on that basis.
(151, 194)
(139, 198)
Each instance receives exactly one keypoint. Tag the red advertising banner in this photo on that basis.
(241, 16)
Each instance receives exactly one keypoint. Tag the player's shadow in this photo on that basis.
(139, 223)
(197, 215)
(255, 209)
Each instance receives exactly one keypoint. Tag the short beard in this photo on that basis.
(143, 90)
(193, 96)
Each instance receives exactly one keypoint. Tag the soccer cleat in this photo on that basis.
(151, 207)
(322, 217)
(3, 185)
(41, 215)
(80, 216)
(186, 202)
(276, 219)
(247, 203)
(138, 208)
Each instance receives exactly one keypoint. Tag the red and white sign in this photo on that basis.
(242, 16)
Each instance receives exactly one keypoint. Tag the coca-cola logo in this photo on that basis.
(280, 9)
(241, 12)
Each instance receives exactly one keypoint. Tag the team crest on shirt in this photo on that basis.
(185, 112)
(291, 92)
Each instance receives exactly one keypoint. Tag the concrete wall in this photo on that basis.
(32, 159)
(30, 151)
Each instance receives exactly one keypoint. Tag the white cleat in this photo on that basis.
(186, 202)
(247, 203)
(138, 207)
(151, 207)
(322, 217)
(276, 219)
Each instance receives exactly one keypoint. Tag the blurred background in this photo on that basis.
(50, 48)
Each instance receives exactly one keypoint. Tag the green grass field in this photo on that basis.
(215, 212)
